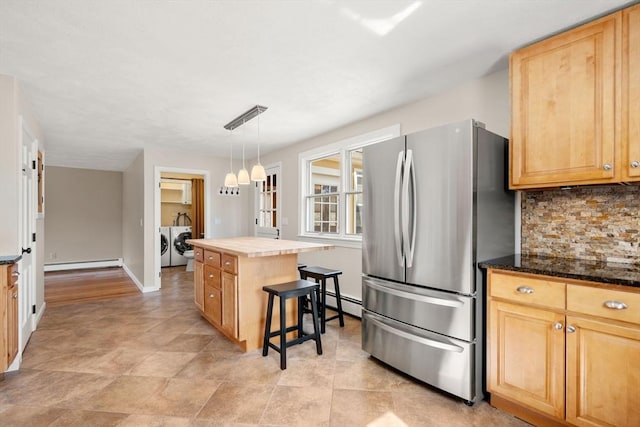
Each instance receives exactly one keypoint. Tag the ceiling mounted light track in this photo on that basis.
(245, 117)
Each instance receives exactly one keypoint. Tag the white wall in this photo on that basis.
(132, 215)
(84, 215)
(485, 99)
(227, 215)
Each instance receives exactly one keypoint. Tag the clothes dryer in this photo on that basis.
(179, 235)
(165, 250)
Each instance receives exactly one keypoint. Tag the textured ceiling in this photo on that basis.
(106, 78)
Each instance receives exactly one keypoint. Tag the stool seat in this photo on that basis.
(300, 289)
(321, 274)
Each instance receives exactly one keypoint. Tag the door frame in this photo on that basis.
(27, 319)
(158, 170)
(256, 201)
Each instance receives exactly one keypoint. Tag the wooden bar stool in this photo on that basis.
(321, 274)
(300, 289)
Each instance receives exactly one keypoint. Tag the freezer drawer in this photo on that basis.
(442, 362)
(440, 312)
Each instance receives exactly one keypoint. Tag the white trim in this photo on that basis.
(345, 242)
(135, 280)
(39, 315)
(340, 148)
(83, 265)
(157, 209)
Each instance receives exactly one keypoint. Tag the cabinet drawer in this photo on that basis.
(527, 290)
(230, 263)
(213, 304)
(212, 258)
(198, 254)
(12, 274)
(212, 276)
(609, 303)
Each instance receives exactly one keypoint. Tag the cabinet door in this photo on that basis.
(230, 304)
(631, 94)
(213, 304)
(603, 378)
(526, 356)
(564, 107)
(198, 285)
(12, 323)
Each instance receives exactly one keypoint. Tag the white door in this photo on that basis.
(26, 285)
(268, 204)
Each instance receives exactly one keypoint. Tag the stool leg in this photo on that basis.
(283, 334)
(336, 285)
(323, 307)
(316, 334)
(301, 303)
(267, 326)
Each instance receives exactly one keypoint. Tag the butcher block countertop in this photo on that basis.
(258, 246)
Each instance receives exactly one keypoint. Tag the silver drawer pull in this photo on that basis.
(15, 273)
(210, 295)
(210, 257)
(524, 290)
(15, 296)
(615, 305)
(571, 329)
(557, 326)
(227, 263)
(210, 276)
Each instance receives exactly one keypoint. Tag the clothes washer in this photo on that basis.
(165, 251)
(178, 245)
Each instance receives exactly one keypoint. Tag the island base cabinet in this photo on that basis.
(526, 356)
(198, 285)
(230, 304)
(603, 373)
(213, 305)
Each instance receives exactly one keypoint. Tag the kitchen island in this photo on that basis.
(228, 278)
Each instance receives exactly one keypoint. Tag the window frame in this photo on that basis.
(341, 148)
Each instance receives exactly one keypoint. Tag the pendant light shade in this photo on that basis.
(258, 173)
(230, 180)
(243, 177)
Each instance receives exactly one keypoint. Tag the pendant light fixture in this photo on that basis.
(257, 172)
(230, 180)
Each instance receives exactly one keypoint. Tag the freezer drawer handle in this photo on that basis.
(415, 297)
(615, 305)
(416, 338)
(524, 290)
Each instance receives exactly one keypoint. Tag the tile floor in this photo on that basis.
(151, 360)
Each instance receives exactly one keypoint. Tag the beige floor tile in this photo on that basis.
(32, 416)
(298, 406)
(126, 394)
(315, 372)
(208, 366)
(162, 364)
(188, 343)
(359, 407)
(254, 368)
(364, 374)
(179, 397)
(88, 418)
(155, 421)
(238, 402)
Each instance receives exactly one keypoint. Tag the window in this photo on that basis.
(332, 182)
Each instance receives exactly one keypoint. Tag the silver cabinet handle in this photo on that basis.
(15, 296)
(615, 305)
(557, 326)
(571, 329)
(227, 263)
(210, 276)
(524, 290)
(606, 167)
(210, 295)
(15, 273)
(635, 164)
(197, 253)
(210, 257)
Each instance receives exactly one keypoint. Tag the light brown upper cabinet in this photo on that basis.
(631, 94)
(575, 104)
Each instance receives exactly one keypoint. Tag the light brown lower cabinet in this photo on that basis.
(8, 315)
(198, 285)
(573, 360)
(230, 304)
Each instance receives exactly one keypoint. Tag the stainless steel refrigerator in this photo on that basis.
(435, 204)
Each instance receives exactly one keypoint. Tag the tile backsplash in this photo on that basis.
(596, 223)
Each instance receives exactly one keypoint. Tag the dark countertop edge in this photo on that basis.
(9, 259)
(615, 272)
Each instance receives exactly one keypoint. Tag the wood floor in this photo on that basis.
(79, 286)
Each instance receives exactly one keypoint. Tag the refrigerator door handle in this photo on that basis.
(396, 210)
(409, 216)
(378, 321)
(454, 303)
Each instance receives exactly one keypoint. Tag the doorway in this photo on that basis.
(182, 206)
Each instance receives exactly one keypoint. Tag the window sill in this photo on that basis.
(336, 241)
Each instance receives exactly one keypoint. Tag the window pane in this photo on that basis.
(325, 214)
(354, 213)
(325, 173)
(355, 170)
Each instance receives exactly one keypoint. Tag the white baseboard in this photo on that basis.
(43, 308)
(349, 304)
(83, 265)
(141, 287)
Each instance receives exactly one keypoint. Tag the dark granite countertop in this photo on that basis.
(9, 259)
(569, 268)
